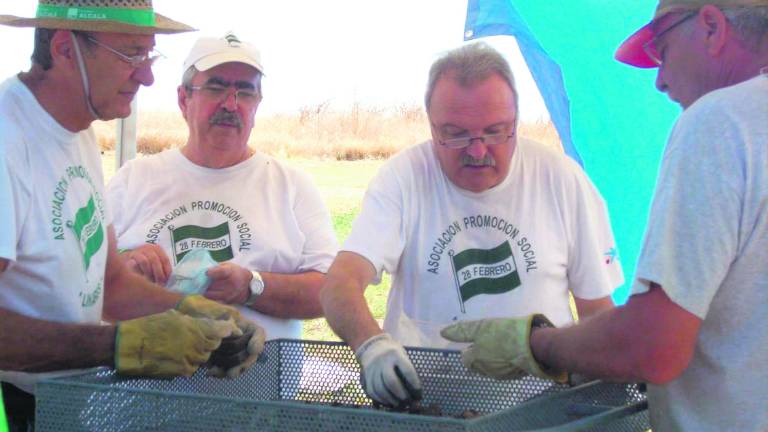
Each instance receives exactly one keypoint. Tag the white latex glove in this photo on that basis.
(388, 374)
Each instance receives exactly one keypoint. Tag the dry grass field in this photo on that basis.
(341, 151)
(313, 133)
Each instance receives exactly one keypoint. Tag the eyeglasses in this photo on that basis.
(136, 61)
(220, 93)
(490, 139)
(650, 46)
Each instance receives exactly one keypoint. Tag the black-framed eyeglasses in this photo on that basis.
(219, 93)
(488, 139)
(650, 46)
(136, 61)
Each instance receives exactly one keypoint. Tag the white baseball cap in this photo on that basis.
(209, 52)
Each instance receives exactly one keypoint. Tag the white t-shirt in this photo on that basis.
(259, 214)
(56, 235)
(512, 250)
(707, 246)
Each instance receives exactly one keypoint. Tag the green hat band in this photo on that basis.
(139, 17)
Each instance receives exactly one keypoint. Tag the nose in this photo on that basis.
(230, 101)
(144, 75)
(477, 149)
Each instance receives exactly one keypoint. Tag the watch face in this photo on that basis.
(256, 286)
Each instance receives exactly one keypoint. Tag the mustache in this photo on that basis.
(225, 118)
(488, 160)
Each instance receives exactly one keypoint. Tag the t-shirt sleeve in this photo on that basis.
(314, 221)
(7, 210)
(116, 192)
(594, 270)
(692, 234)
(15, 192)
(378, 232)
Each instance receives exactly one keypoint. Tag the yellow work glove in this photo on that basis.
(501, 347)
(167, 344)
(199, 306)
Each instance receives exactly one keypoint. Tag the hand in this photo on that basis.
(242, 357)
(199, 306)
(388, 374)
(500, 347)
(150, 261)
(167, 344)
(230, 283)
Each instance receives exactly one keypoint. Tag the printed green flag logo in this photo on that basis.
(485, 271)
(216, 239)
(87, 227)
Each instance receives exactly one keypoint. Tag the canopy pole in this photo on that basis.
(125, 139)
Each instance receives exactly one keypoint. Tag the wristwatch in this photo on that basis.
(256, 288)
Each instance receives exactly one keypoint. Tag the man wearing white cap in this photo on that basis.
(695, 327)
(261, 220)
(60, 272)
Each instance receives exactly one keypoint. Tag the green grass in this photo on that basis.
(342, 185)
(376, 295)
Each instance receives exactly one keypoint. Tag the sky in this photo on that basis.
(340, 52)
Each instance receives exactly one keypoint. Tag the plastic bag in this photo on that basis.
(189, 276)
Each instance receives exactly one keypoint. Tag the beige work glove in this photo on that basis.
(501, 347)
(168, 344)
(199, 306)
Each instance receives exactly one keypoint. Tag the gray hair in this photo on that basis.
(189, 75)
(471, 64)
(751, 24)
(41, 52)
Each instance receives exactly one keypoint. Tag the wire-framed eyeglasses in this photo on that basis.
(650, 46)
(219, 93)
(489, 139)
(136, 61)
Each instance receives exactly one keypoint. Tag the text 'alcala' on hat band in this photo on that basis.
(140, 17)
(118, 16)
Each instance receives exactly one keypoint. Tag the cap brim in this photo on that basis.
(163, 25)
(631, 50)
(214, 60)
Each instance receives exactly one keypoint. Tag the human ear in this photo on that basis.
(181, 94)
(61, 46)
(716, 26)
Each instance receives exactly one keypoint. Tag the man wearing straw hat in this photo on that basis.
(695, 327)
(60, 272)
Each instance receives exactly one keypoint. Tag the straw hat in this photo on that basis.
(119, 16)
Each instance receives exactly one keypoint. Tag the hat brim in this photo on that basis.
(631, 50)
(163, 25)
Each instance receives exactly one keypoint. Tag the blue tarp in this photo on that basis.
(610, 117)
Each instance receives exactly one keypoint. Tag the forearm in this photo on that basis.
(649, 339)
(291, 295)
(343, 301)
(129, 295)
(597, 347)
(348, 314)
(33, 345)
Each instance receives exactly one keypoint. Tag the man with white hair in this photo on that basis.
(262, 221)
(695, 326)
